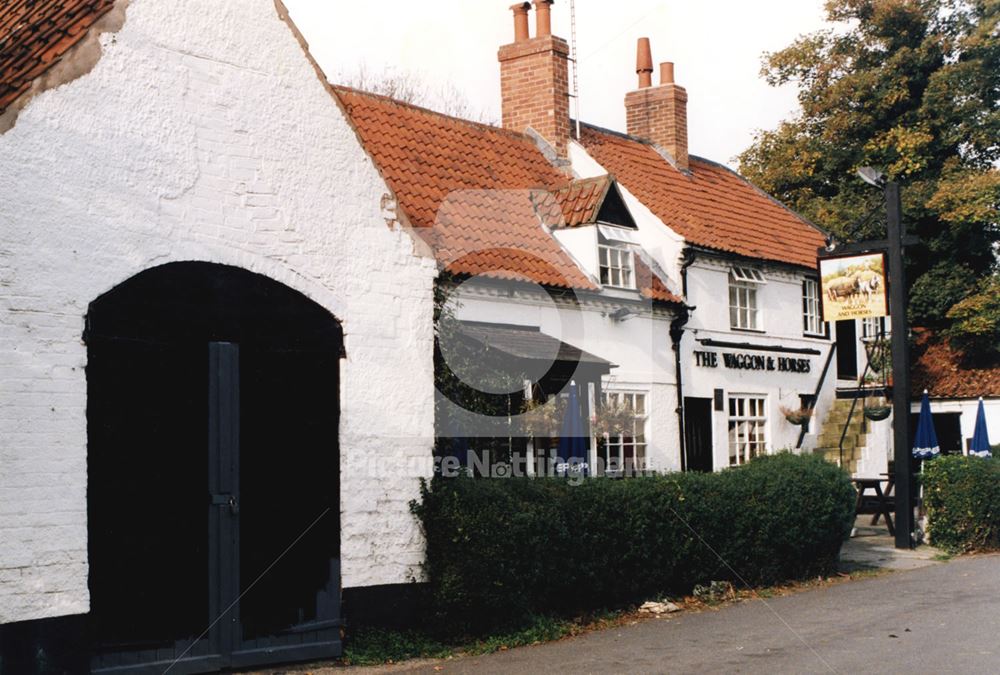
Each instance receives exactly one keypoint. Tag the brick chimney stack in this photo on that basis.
(534, 78)
(658, 114)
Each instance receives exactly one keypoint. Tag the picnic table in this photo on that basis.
(879, 503)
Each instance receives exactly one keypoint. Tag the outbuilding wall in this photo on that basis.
(968, 409)
(202, 133)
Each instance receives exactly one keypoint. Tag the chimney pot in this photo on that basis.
(666, 73)
(644, 63)
(543, 17)
(534, 80)
(520, 21)
(659, 114)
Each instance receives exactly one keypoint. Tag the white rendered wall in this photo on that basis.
(640, 346)
(581, 244)
(660, 242)
(201, 134)
(780, 302)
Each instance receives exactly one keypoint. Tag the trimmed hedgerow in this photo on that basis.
(962, 495)
(499, 550)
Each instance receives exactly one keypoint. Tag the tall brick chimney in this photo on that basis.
(534, 78)
(658, 114)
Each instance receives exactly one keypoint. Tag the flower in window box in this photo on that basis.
(542, 420)
(613, 419)
(798, 416)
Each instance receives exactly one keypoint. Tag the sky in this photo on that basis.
(716, 47)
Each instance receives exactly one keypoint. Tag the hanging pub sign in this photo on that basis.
(853, 287)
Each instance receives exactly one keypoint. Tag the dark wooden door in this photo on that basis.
(286, 554)
(278, 591)
(698, 434)
(153, 591)
(213, 473)
(847, 350)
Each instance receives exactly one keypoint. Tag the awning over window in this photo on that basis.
(612, 233)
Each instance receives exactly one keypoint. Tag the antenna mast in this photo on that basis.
(576, 83)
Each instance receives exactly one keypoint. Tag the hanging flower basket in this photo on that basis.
(879, 355)
(877, 413)
(799, 417)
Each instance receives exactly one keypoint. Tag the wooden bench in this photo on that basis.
(879, 503)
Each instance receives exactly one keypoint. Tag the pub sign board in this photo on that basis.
(853, 287)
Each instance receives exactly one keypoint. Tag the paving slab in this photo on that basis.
(873, 547)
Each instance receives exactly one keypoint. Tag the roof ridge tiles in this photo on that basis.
(423, 109)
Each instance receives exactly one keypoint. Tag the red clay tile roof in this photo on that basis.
(34, 35)
(714, 207)
(581, 200)
(498, 233)
(470, 185)
(940, 370)
(478, 194)
(651, 285)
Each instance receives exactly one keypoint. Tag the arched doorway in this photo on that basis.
(213, 472)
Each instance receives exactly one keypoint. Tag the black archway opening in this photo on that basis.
(170, 550)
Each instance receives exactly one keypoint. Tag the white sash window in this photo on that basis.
(744, 312)
(747, 427)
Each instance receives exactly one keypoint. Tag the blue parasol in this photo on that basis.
(925, 445)
(572, 442)
(460, 450)
(980, 438)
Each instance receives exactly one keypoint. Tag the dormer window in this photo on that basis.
(744, 312)
(617, 264)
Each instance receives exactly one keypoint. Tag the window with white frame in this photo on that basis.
(625, 450)
(872, 328)
(812, 322)
(744, 312)
(617, 265)
(747, 427)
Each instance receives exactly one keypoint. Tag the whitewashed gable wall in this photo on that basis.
(202, 133)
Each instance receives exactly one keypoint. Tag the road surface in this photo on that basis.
(938, 619)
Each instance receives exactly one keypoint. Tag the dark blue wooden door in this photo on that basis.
(213, 469)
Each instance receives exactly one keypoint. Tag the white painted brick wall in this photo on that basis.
(201, 134)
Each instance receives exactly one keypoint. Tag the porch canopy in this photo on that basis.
(490, 369)
(530, 349)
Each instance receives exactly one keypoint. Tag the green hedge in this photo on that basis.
(962, 495)
(499, 550)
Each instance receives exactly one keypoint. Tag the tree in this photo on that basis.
(910, 87)
(975, 328)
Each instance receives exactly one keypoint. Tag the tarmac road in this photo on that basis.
(937, 619)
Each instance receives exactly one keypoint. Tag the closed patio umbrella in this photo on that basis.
(980, 439)
(925, 445)
(572, 442)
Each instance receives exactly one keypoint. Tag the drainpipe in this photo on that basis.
(676, 335)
